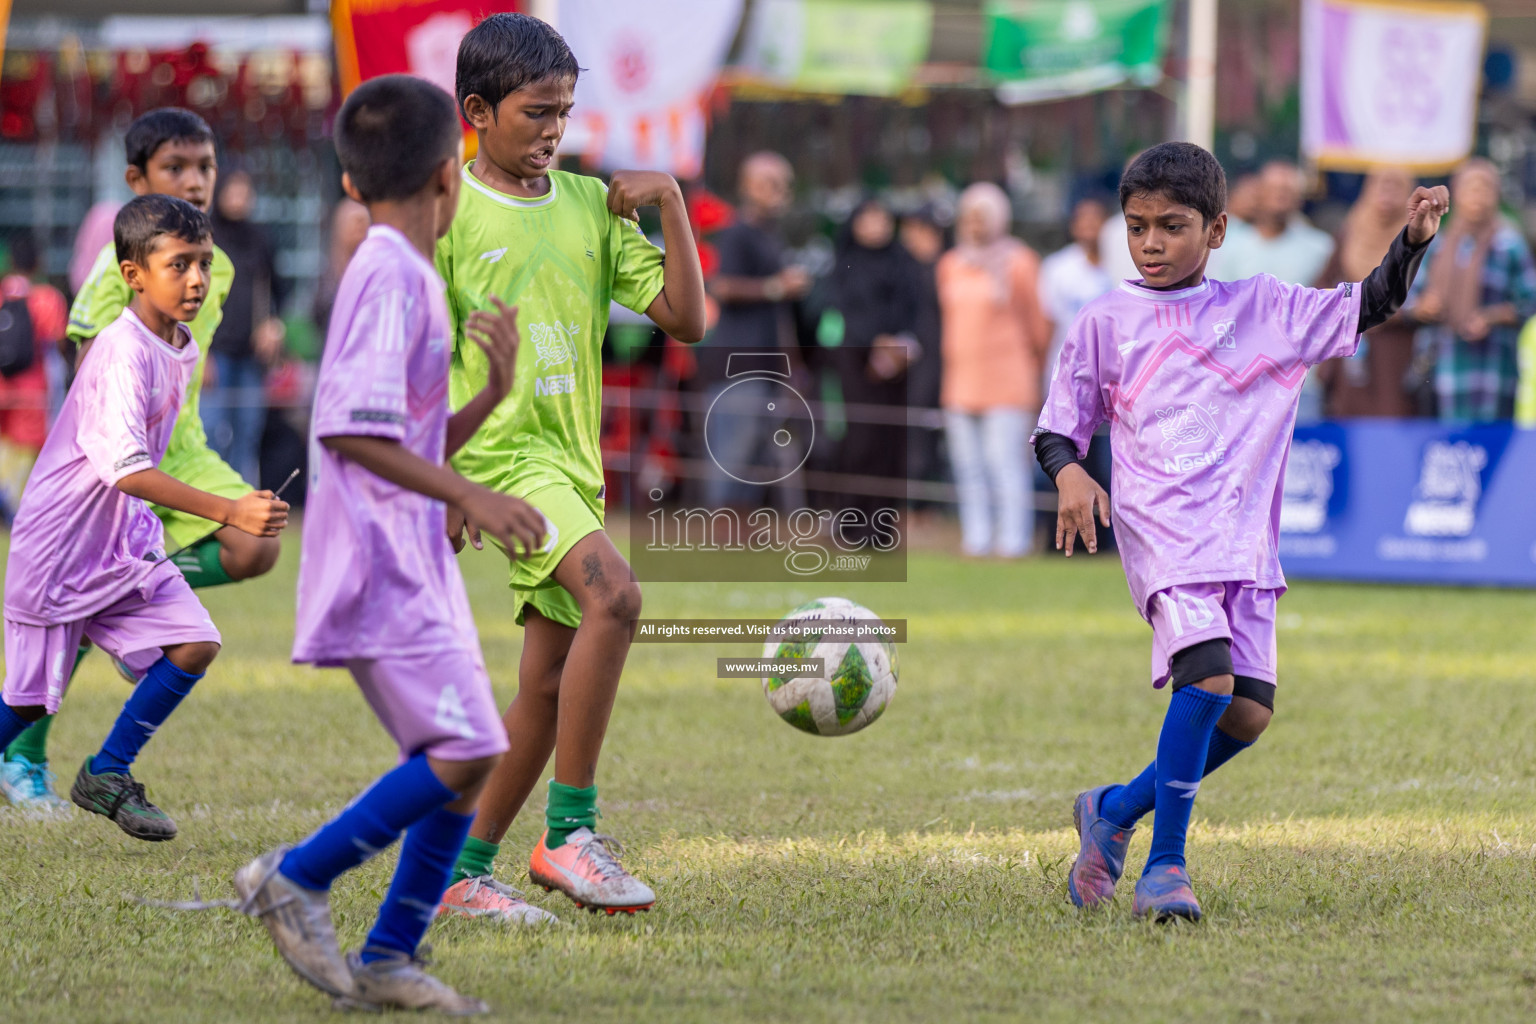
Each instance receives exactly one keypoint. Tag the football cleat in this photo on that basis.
(483, 896)
(1164, 893)
(121, 798)
(587, 870)
(1101, 854)
(28, 786)
(397, 980)
(299, 921)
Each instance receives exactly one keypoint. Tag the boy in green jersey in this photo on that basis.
(560, 247)
(171, 152)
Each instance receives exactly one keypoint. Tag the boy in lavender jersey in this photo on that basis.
(87, 555)
(379, 591)
(1199, 381)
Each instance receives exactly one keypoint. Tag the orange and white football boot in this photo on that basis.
(586, 868)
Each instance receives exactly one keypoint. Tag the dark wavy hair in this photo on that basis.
(1183, 172)
(154, 129)
(146, 218)
(506, 52)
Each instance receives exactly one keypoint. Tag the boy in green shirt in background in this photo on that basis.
(170, 152)
(560, 247)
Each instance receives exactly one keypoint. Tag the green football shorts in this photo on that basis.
(571, 517)
(201, 468)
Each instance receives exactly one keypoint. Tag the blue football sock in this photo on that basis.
(153, 700)
(367, 825)
(11, 725)
(1181, 752)
(426, 860)
(1223, 748)
(1125, 805)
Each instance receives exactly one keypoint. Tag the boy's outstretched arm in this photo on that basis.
(496, 334)
(679, 309)
(1386, 289)
(258, 513)
(514, 522)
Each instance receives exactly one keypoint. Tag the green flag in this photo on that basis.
(865, 47)
(1046, 49)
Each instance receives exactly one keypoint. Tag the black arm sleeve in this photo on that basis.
(1055, 451)
(1384, 292)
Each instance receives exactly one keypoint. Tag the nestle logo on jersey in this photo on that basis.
(1195, 460)
(554, 343)
(559, 384)
(1187, 428)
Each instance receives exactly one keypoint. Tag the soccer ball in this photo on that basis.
(858, 677)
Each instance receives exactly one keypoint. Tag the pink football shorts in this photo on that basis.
(162, 613)
(1191, 613)
(438, 704)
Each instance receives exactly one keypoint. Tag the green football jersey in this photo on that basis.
(560, 259)
(102, 300)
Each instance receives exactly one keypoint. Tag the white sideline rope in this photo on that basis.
(195, 903)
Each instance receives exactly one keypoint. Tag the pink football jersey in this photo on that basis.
(1199, 387)
(377, 576)
(79, 544)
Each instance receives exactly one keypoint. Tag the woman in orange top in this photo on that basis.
(995, 340)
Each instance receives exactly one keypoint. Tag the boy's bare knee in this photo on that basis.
(622, 603)
(1221, 686)
(606, 588)
(193, 658)
(29, 712)
(251, 556)
(1245, 720)
(466, 778)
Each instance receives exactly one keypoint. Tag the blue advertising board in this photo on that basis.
(1411, 502)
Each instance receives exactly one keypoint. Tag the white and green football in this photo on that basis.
(857, 678)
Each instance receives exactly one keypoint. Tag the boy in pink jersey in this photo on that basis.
(379, 591)
(87, 555)
(1199, 381)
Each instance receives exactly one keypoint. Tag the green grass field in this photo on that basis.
(1370, 860)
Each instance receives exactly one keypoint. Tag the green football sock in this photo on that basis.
(201, 566)
(33, 744)
(474, 860)
(569, 809)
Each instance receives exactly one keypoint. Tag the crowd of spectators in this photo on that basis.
(927, 340)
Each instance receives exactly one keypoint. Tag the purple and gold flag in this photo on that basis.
(1386, 83)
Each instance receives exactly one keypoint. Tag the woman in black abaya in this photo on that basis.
(875, 288)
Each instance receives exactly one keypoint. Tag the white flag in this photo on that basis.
(649, 67)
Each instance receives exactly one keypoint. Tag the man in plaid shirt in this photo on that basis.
(1480, 289)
